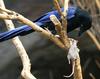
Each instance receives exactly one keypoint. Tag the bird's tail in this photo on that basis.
(20, 31)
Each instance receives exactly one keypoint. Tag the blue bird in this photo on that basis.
(76, 17)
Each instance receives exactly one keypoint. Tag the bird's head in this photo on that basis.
(85, 21)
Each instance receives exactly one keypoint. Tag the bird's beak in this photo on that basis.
(81, 30)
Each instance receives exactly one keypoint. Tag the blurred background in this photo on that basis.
(48, 60)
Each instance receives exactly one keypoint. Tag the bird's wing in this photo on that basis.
(16, 32)
(41, 21)
(45, 18)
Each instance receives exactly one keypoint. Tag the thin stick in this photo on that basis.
(97, 63)
(78, 70)
(26, 74)
(57, 6)
(59, 29)
(92, 76)
(14, 15)
(64, 23)
(94, 39)
(64, 36)
(65, 7)
(57, 24)
(98, 3)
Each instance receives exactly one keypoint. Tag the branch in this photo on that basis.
(64, 43)
(57, 6)
(78, 70)
(92, 76)
(59, 29)
(77, 73)
(98, 3)
(65, 7)
(14, 15)
(64, 36)
(92, 36)
(26, 74)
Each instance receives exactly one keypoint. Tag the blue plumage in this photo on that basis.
(44, 21)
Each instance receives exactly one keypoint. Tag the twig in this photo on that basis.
(98, 3)
(64, 23)
(14, 15)
(57, 6)
(61, 2)
(57, 24)
(91, 35)
(64, 37)
(94, 39)
(97, 63)
(64, 44)
(59, 28)
(26, 74)
(65, 7)
(80, 4)
(78, 70)
(92, 76)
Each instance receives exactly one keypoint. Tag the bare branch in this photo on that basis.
(92, 76)
(78, 70)
(65, 7)
(57, 6)
(24, 20)
(91, 35)
(59, 29)
(26, 74)
(64, 24)
(98, 3)
(64, 37)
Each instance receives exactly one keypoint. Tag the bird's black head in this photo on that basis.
(85, 20)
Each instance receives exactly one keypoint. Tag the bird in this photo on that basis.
(76, 18)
